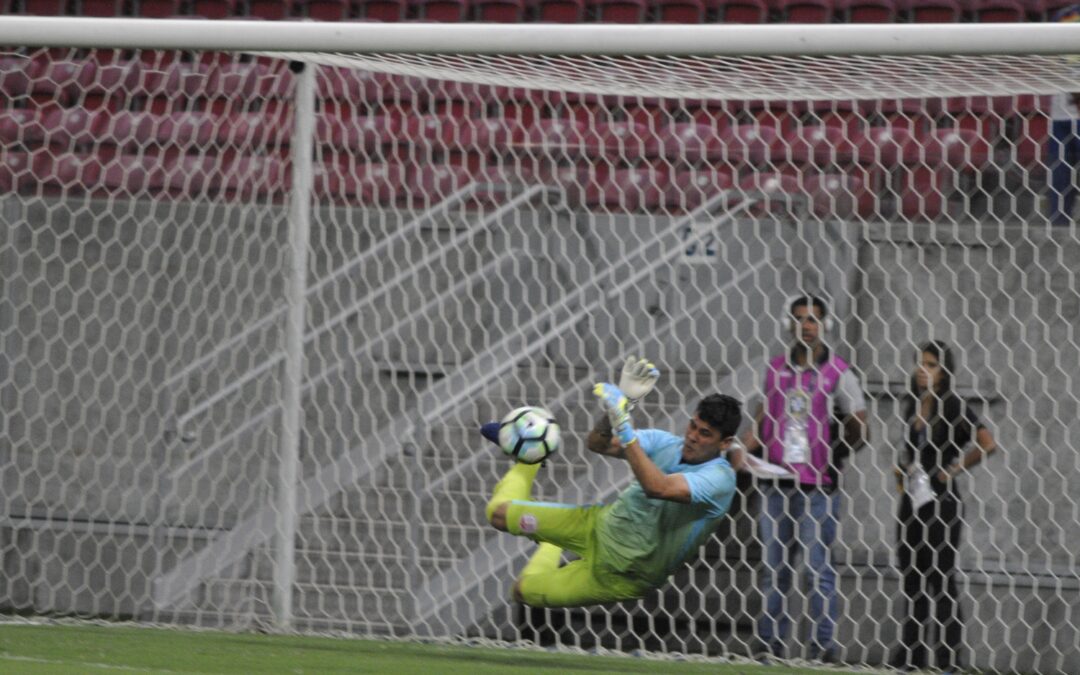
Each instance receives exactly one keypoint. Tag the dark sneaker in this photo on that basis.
(826, 655)
(765, 652)
(490, 431)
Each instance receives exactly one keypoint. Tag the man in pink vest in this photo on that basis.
(812, 417)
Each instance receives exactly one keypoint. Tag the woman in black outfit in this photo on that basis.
(939, 427)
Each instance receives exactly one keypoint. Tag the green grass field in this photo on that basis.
(64, 648)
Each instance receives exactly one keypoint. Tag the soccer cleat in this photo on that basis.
(490, 431)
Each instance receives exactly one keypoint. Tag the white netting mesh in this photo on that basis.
(504, 239)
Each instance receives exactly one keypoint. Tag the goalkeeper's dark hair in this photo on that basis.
(723, 413)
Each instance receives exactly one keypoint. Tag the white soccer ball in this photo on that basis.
(529, 434)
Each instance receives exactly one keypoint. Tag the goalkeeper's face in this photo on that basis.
(702, 442)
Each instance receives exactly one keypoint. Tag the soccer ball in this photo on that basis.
(529, 434)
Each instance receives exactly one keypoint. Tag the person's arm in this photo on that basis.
(656, 484)
(984, 445)
(599, 439)
(856, 431)
(751, 439)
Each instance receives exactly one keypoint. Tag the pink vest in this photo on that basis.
(818, 383)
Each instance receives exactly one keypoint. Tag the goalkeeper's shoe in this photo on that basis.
(490, 431)
(617, 407)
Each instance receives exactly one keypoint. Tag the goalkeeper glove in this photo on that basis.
(617, 407)
(638, 378)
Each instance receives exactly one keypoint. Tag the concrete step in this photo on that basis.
(311, 601)
(436, 540)
(393, 570)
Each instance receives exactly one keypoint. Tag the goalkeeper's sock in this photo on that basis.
(546, 558)
(516, 484)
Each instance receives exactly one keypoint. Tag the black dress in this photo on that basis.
(928, 539)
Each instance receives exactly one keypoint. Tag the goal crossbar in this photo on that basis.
(542, 39)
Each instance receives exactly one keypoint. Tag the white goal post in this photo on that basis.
(262, 281)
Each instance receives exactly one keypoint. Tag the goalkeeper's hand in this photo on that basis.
(638, 378)
(617, 407)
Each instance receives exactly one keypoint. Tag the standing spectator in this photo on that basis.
(939, 425)
(809, 393)
(1063, 145)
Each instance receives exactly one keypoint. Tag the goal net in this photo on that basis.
(257, 302)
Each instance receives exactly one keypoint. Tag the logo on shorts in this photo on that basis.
(527, 524)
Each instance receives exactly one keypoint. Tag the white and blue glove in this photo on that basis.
(617, 407)
(638, 378)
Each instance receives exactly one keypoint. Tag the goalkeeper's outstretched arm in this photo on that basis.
(600, 439)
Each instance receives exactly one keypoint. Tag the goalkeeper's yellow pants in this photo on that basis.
(586, 581)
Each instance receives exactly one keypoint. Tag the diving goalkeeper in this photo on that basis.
(683, 488)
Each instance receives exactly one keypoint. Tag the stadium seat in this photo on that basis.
(111, 85)
(69, 129)
(15, 170)
(742, 11)
(500, 11)
(44, 7)
(442, 11)
(806, 11)
(679, 11)
(619, 11)
(271, 10)
(995, 11)
(775, 193)
(1029, 142)
(55, 81)
(561, 137)
(839, 196)
(958, 148)
(867, 11)
(690, 188)
(560, 11)
(821, 146)
(692, 142)
(748, 143)
(427, 184)
(381, 10)
(626, 141)
(22, 128)
(175, 86)
(357, 133)
(488, 133)
(158, 9)
(923, 193)
(933, 11)
(887, 146)
(626, 188)
(324, 10)
(215, 9)
(16, 73)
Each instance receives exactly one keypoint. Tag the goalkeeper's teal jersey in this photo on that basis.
(648, 539)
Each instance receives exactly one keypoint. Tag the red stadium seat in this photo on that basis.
(44, 7)
(381, 10)
(619, 11)
(690, 188)
(959, 148)
(501, 11)
(73, 128)
(215, 9)
(443, 11)
(748, 143)
(679, 11)
(55, 80)
(822, 146)
(774, 193)
(99, 7)
(692, 142)
(839, 196)
(16, 73)
(933, 11)
(628, 189)
(625, 141)
(806, 11)
(561, 137)
(22, 127)
(325, 10)
(374, 183)
(158, 9)
(270, 10)
(1029, 143)
(887, 146)
(560, 11)
(868, 11)
(111, 85)
(995, 11)
(427, 184)
(15, 170)
(923, 193)
(742, 11)
(357, 133)
(252, 133)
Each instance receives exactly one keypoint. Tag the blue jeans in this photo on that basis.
(793, 519)
(1062, 160)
